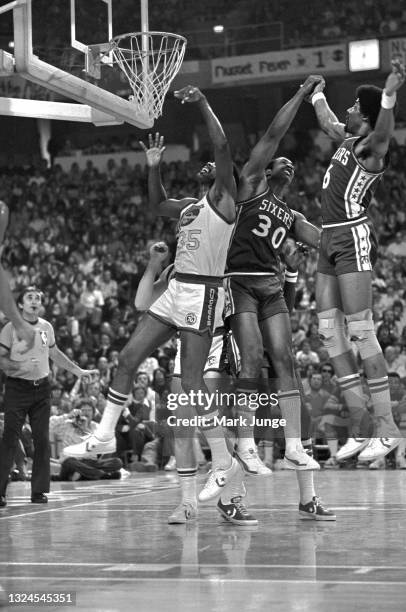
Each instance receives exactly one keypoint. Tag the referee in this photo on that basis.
(28, 392)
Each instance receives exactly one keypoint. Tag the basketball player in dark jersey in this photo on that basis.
(348, 253)
(259, 314)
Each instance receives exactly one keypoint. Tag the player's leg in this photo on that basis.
(149, 334)
(230, 504)
(247, 337)
(333, 333)
(186, 464)
(356, 296)
(194, 352)
(25, 331)
(277, 337)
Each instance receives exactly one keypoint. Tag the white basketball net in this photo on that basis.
(150, 61)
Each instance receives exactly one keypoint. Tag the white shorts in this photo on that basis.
(191, 306)
(217, 360)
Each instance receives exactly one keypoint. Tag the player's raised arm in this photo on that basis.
(158, 199)
(376, 144)
(328, 121)
(224, 184)
(265, 149)
(149, 289)
(25, 331)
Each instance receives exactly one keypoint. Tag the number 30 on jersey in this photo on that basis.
(265, 226)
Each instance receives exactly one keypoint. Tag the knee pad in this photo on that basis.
(362, 332)
(332, 332)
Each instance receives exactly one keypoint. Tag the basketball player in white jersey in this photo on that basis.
(193, 302)
(216, 369)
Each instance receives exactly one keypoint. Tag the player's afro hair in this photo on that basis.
(369, 97)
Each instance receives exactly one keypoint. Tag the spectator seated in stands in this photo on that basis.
(78, 424)
(306, 356)
(135, 427)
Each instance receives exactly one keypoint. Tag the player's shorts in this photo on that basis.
(350, 248)
(191, 303)
(260, 294)
(217, 360)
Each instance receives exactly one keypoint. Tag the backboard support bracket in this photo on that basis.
(58, 111)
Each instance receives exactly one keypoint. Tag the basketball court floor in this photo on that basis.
(110, 544)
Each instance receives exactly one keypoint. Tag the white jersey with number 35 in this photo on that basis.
(203, 240)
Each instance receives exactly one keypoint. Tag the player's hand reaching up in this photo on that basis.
(313, 84)
(158, 252)
(396, 78)
(189, 94)
(155, 149)
(89, 376)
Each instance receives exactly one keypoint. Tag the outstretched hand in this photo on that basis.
(89, 376)
(155, 149)
(189, 94)
(396, 78)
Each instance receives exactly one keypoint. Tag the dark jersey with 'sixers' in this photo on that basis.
(347, 187)
(262, 225)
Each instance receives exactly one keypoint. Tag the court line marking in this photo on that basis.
(97, 501)
(201, 580)
(201, 565)
(163, 508)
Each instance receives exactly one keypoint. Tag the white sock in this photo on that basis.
(380, 397)
(187, 481)
(245, 410)
(245, 444)
(235, 488)
(220, 456)
(268, 451)
(289, 403)
(353, 394)
(333, 447)
(305, 479)
(114, 406)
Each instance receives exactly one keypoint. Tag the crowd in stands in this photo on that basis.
(301, 24)
(83, 238)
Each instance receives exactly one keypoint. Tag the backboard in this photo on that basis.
(53, 43)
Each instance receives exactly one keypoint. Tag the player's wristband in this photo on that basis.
(388, 102)
(291, 277)
(318, 96)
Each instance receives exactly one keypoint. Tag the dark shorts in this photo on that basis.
(260, 294)
(347, 249)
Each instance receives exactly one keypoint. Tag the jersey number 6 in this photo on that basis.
(327, 177)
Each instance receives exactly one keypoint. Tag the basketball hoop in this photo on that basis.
(150, 62)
